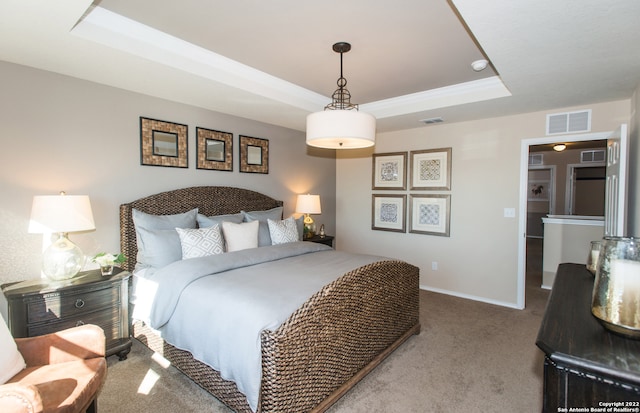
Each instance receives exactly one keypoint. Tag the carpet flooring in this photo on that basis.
(469, 357)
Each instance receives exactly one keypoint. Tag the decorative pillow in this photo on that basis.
(150, 221)
(156, 237)
(201, 242)
(157, 248)
(206, 222)
(300, 226)
(275, 214)
(240, 236)
(11, 361)
(283, 232)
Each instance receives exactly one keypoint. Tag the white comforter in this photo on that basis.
(215, 307)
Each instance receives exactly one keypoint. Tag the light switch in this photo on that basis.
(509, 212)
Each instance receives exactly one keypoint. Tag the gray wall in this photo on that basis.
(62, 133)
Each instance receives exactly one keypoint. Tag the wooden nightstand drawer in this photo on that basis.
(106, 319)
(57, 306)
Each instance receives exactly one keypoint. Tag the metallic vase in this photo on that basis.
(616, 290)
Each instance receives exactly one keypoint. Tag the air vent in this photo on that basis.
(536, 159)
(432, 120)
(569, 122)
(598, 155)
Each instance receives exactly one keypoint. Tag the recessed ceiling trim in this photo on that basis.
(121, 33)
(468, 92)
(124, 34)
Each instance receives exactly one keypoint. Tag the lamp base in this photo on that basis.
(309, 227)
(62, 260)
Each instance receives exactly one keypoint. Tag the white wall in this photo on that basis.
(61, 133)
(480, 258)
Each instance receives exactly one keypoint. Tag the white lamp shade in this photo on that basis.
(308, 204)
(341, 129)
(61, 213)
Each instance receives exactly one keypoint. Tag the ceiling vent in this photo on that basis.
(569, 122)
(598, 155)
(536, 159)
(432, 120)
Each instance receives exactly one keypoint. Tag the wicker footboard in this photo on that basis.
(340, 334)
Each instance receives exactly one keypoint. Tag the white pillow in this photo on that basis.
(263, 232)
(201, 242)
(240, 236)
(283, 232)
(11, 361)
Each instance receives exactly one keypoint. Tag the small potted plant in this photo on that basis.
(107, 261)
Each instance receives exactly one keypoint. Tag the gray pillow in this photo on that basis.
(207, 222)
(300, 226)
(275, 214)
(157, 248)
(158, 241)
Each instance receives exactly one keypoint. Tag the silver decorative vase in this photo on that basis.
(616, 290)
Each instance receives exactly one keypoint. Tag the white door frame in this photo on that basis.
(522, 209)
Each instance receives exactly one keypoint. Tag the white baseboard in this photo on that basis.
(471, 297)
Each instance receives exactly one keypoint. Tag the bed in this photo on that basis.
(324, 347)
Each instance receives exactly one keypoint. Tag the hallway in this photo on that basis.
(533, 281)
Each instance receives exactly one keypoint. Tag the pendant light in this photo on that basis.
(341, 125)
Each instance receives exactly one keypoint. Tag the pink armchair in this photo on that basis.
(65, 372)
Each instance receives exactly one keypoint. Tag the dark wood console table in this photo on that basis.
(585, 366)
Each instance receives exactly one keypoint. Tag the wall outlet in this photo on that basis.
(434, 265)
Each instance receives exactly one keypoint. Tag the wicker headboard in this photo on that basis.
(210, 200)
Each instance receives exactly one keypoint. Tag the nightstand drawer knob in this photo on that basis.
(79, 323)
(79, 303)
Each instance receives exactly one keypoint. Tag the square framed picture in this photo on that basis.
(163, 143)
(431, 169)
(214, 150)
(430, 214)
(389, 170)
(254, 155)
(388, 212)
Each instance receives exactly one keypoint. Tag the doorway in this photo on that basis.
(586, 189)
(538, 144)
(540, 203)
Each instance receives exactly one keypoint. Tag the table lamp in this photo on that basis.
(61, 214)
(308, 204)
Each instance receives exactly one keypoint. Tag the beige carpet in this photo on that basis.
(469, 357)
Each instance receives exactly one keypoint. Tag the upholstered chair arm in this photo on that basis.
(19, 398)
(77, 343)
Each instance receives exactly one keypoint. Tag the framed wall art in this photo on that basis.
(163, 143)
(431, 169)
(254, 155)
(389, 170)
(388, 212)
(430, 214)
(538, 191)
(214, 150)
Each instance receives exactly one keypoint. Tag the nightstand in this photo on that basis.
(37, 307)
(326, 240)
